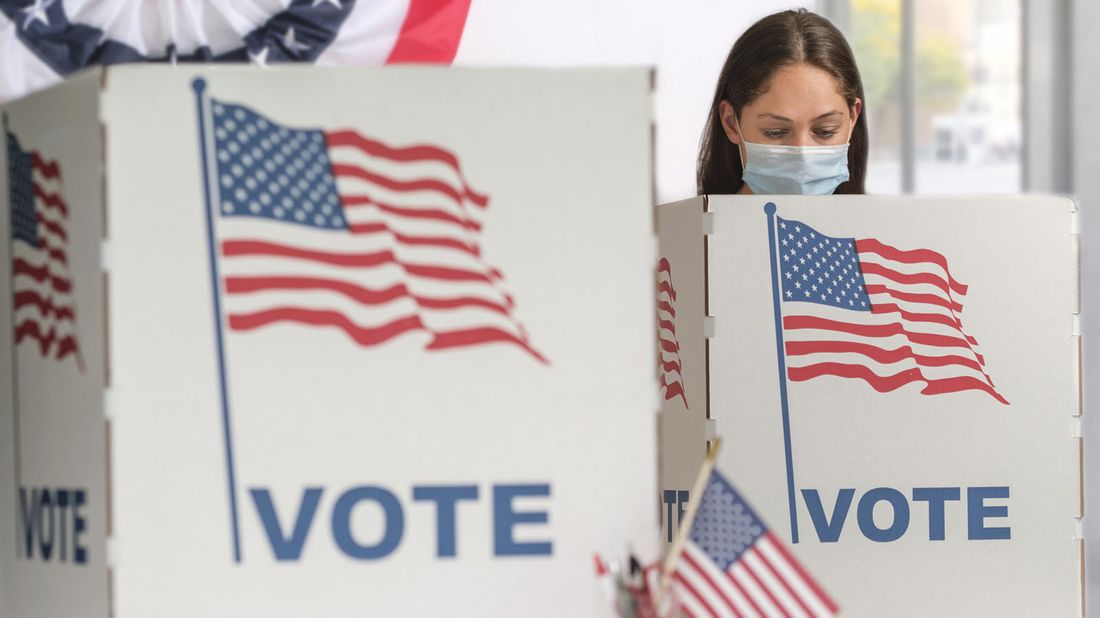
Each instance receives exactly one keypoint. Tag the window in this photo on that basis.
(943, 84)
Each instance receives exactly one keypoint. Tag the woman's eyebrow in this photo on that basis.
(785, 119)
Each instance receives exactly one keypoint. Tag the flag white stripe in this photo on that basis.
(723, 583)
(711, 596)
(371, 315)
(689, 602)
(792, 577)
(740, 573)
(345, 242)
(376, 279)
(778, 591)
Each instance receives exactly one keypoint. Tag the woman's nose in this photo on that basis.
(804, 138)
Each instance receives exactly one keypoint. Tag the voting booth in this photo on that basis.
(325, 342)
(896, 384)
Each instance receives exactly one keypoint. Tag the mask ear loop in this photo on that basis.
(737, 126)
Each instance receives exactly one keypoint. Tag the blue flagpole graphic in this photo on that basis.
(17, 468)
(769, 209)
(199, 85)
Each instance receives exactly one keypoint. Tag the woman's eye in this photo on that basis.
(826, 133)
(775, 133)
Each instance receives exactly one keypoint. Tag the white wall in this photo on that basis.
(686, 41)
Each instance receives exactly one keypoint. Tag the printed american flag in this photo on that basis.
(45, 309)
(671, 370)
(732, 564)
(334, 229)
(865, 310)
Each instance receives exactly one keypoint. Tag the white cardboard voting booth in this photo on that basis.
(311, 342)
(896, 384)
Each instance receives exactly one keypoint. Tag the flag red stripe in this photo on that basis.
(668, 325)
(363, 335)
(767, 592)
(53, 226)
(671, 365)
(40, 274)
(237, 248)
(31, 328)
(875, 330)
(55, 253)
(232, 248)
(67, 346)
(663, 266)
(783, 581)
(406, 154)
(666, 307)
(695, 593)
(960, 383)
(932, 318)
(673, 390)
(481, 335)
(928, 299)
(430, 241)
(53, 200)
(447, 273)
(871, 268)
(881, 355)
(48, 169)
(669, 346)
(701, 571)
(666, 287)
(45, 306)
(744, 593)
(885, 384)
(806, 579)
(431, 32)
(912, 256)
(360, 294)
(420, 184)
(435, 214)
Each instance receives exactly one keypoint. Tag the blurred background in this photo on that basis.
(963, 96)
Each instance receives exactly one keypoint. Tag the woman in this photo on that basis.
(787, 115)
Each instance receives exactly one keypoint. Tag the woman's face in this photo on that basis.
(802, 107)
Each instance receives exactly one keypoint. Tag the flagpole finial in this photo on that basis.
(769, 208)
(198, 84)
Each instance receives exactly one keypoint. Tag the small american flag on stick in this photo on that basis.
(671, 369)
(862, 309)
(42, 283)
(336, 229)
(733, 565)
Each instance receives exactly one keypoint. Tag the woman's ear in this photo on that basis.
(729, 122)
(857, 108)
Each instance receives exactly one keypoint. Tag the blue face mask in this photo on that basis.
(794, 170)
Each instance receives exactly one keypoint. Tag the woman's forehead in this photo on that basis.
(799, 92)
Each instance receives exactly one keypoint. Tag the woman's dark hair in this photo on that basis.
(774, 42)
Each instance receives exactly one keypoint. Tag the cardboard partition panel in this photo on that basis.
(896, 382)
(325, 342)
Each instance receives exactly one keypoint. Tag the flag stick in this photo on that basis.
(199, 85)
(769, 209)
(17, 469)
(677, 548)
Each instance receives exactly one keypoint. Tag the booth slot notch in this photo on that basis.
(105, 255)
(108, 404)
(708, 223)
(110, 552)
(711, 429)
